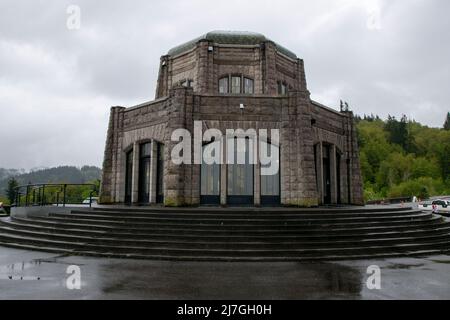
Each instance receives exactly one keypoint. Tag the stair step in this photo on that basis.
(224, 252)
(228, 210)
(232, 243)
(307, 234)
(234, 215)
(240, 221)
(89, 225)
(350, 256)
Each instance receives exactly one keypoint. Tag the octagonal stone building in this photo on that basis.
(231, 80)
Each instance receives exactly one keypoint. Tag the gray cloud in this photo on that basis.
(56, 85)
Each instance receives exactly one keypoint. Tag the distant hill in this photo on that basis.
(63, 174)
(6, 173)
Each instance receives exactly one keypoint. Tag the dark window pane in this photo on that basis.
(145, 150)
(282, 88)
(160, 171)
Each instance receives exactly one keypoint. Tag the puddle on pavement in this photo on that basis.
(397, 266)
(18, 271)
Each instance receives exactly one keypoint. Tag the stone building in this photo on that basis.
(231, 80)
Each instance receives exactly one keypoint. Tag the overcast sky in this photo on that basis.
(57, 84)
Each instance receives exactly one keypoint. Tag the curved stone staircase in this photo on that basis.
(217, 234)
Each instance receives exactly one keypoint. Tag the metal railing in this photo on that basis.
(44, 194)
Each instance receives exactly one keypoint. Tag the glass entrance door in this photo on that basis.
(240, 176)
(128, 176)
(326, 175)
(160, 173)
(270, 183)
(209, 180)
(144, 173)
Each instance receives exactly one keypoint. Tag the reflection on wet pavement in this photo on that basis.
(37, 275)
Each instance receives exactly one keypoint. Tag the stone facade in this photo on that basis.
(188, 91)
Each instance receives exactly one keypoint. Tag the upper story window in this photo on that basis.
(223, 85)
(236, 84)
(248, 86)
(282, 88)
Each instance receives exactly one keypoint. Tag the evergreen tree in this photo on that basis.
(398, 131)
(11, 190)
(447, 122)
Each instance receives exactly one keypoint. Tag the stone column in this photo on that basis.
(153, 171)
(108, 185)
(257, 178)
(319, 166)
(357, 193)
(163, 78)
(352, 182)
(269, 68)
(333, 179)
(174, 174)
(135, 176)
(303, 179)
(204, 63)
(223, 174)
(285, 169)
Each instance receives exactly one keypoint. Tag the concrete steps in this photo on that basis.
(231, 235)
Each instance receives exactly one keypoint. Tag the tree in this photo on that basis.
(11, 190)
(399, 133)
(447, 122)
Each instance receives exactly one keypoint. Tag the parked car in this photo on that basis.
(442, 206)
(94, 200)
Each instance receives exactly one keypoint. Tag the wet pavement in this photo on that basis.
(38, 275)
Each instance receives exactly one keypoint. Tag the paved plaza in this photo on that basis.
(38, 275)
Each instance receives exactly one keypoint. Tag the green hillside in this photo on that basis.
(403, 158)
(63, 174)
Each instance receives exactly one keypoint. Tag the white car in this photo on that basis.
(443, 206)
(87, 200)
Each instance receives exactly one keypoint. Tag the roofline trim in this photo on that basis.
(177, 50)
(326, 108)
(147, 103)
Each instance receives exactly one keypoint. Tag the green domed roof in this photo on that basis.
(230, 37)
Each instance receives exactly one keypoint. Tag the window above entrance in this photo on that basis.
(236, 84)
